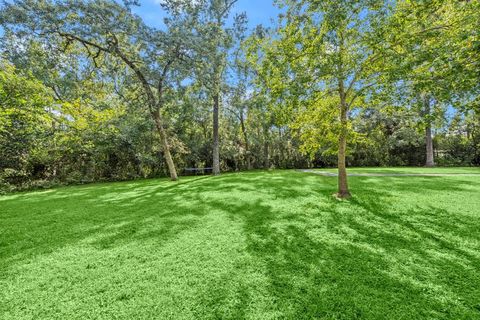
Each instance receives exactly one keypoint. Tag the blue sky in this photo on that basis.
(258, 11)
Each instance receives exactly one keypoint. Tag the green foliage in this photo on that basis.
(25, 119)
(84, 83)
(320, 61)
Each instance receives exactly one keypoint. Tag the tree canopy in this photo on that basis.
(89, 91)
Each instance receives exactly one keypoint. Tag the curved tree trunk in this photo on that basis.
(154, 105)
(166, 147)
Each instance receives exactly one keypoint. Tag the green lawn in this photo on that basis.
(258, 245)
(410, 170)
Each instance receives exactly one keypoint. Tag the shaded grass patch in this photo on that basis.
(258, 245)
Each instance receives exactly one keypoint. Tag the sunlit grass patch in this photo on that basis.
(258, 245)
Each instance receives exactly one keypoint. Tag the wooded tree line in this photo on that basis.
(90, 92)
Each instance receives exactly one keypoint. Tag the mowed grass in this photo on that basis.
(410, 170)
(258, 245)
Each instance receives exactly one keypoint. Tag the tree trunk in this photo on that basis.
(343, 191)
(216, 142)
(266, 151)
(138, 165)
(281, 159)
(55, 163)
(430, 162)
(165, 146)
(245, 137)
(429, 140)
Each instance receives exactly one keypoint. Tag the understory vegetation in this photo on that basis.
(173, 159)
(89, 91)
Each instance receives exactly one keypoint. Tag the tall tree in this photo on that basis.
(219, 41)
(108, 28)
(208, 19)
(434, 58)
(322, 59)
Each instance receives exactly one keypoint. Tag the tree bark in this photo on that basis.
(245, 137)
(165, 146)
(216, 142)
(429, 141)
(281, 160)
(343, 191)
(154, 105)
(430, 159)
(266, 153)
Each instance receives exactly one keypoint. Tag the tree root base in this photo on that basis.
(342, 195)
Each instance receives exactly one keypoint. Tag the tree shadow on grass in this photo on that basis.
(318, 257)
(109, 214)
(106, 215)
(365, 258)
